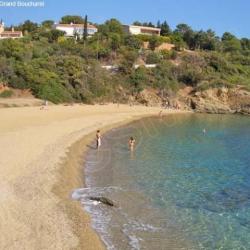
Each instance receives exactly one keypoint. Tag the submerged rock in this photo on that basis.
(103, 200)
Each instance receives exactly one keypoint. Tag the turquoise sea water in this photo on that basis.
(180, 189)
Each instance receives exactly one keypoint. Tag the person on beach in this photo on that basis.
(98, 139)
(167, 104)
(45, 105)
(131, 143)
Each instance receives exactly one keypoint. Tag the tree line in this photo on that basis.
(69, 69)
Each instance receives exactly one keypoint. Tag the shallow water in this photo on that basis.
(180, 189)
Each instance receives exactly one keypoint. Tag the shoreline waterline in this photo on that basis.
(80, 151)
(34, 143)
(74, 163)
(97, 217)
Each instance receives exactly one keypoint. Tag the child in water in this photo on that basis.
(98, 139)
(131, 143)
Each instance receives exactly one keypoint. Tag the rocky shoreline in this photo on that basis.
(221, 100)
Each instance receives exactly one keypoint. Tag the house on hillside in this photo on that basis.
(141, 30)
(71, 30)
(9, 34)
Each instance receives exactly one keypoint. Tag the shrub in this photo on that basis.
(153, 58)
(133, 42)
(53, 92)
(154, 42)
(190, 75)
(18, 82)
(169, 54)
(6, 93)
(216, 83)
(138, 79)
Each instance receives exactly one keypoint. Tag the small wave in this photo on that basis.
(134, 242)
(137, 225)
(130, 230)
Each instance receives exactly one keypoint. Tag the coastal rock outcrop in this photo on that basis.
(211, 101)
(239, 100)
(149, 98)
(221, 100)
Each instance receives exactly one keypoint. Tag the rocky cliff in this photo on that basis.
(220, 100)
(214, 100)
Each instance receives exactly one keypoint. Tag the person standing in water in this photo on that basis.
(98, 139)
(131, 143)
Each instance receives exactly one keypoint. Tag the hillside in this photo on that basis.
(63, 69)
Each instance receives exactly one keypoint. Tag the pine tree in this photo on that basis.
(159, 24)
(85, 34)
(165, 29)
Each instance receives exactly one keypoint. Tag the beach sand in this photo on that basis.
(41, 161)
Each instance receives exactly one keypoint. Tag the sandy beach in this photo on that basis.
(41, 160)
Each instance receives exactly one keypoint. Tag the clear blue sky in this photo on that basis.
(219, 15)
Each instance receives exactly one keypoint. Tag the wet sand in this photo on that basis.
(41, 161)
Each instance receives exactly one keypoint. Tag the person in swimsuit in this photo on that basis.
(98, 139)
(131, 143)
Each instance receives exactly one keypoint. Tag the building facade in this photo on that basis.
(9, 34)
(72, 30)
(141, 30)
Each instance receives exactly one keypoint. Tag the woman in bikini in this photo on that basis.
(131, 143)
(98, 139)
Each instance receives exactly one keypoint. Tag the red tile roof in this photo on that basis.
(11, 34)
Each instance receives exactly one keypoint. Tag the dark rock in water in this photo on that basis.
(187, 205)
(229, 199)
(103, 200)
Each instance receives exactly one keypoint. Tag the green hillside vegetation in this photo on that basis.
(69, 69)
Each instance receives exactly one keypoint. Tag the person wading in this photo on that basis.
(131, 143)
(98, 139)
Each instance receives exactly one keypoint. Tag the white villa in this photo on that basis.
(141, 30)
(72, 29)
(9, 34)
